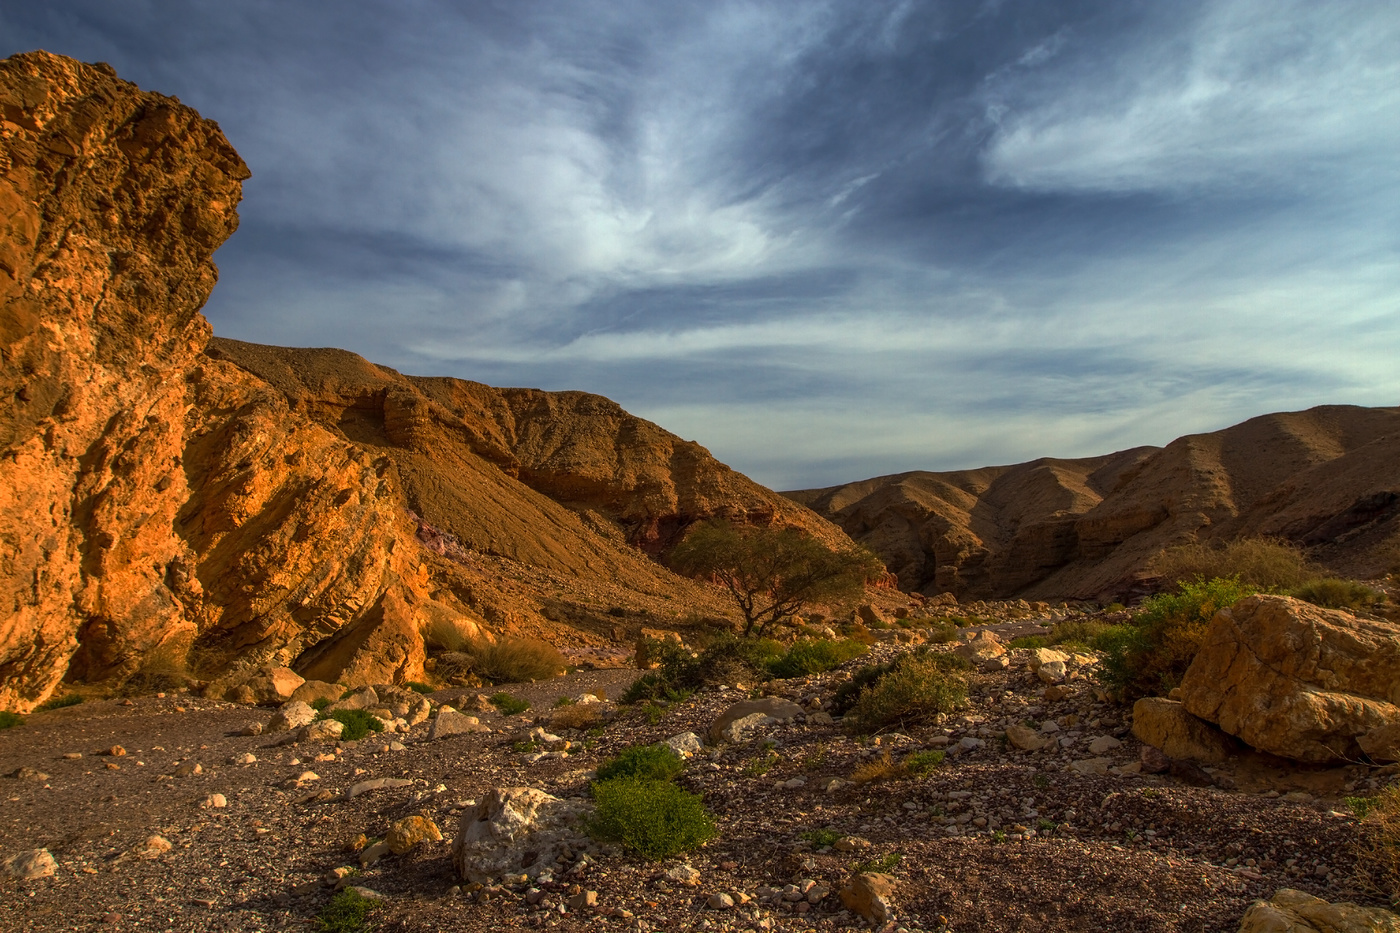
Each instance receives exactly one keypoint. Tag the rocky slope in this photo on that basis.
(164, 506)
(1327, 478)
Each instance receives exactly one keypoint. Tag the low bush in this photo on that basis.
(357, 722)
(655, 819)
(814, 656)
(921, 763)
(1076, 633)
(507, 704)
(844, 700)
(643, 762)
(419, 687)
(939, 631)
(1149, 656)
(1335, 593)
(9, 720)
(1263, 563)
(457, 668)
(70, 699)
(320, 703)
(728, 659)
(822, 838)
(918, 686)
(347, 912)
(1378, 845)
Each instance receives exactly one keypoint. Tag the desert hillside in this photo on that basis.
(168, 501)
(1327, 479)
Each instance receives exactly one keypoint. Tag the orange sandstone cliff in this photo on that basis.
(168, 501)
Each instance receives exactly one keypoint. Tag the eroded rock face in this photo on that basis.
(1298, 681)
(112, 202)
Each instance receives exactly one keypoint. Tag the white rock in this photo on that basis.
(450, 722)
(686, 744)
(1052, 672)
(215, 802)
(293, 715)
(31, 865)
(1104, 743)
(515, 831)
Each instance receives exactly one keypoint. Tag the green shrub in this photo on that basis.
(728, 659)
(939, 631)
(347, 912)
(882, 864)
(844, 700)
(1149, 656)
(643, 762)
(815, 655)
(1028, 641)
(1335, 593)
(320, 703)
(420, 687)
(507, 704)
(921, 763)
(1263, 563)
(9, 719)
(916, 687)
(654, 819)
(357, 722)
(70, 699)
(822, 838)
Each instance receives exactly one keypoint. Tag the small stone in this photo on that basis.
(411, 831)
(1153, 760)
(1052, 672)
(326, 730)
(450, 722)
(373, 854)
(215, 802)
(851, 844)
(364, 787)
(1104, 743)
(1024, 738)
(869, 895)
(293, 715)
(188, 768)
(251, 729)
(154, 847)
(246, 758)
(27, 773)
(73, 756)
(583, 900)
(116, 751)
(720, 901)
(31, 865)
(1091, 765)
(308, 776)
(683, 874)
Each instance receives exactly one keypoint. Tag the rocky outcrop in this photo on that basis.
(1298, 681)
(1054, 529)
(229, 509)
(112, 202)
(1290, 911)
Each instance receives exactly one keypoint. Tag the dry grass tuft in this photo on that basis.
(884, 768)
(576, 716)
(1378, 848)
(1266, 563)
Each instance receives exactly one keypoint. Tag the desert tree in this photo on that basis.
(773, 573)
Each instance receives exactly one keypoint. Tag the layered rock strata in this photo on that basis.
(1327, 478)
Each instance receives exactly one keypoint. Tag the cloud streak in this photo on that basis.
(828, 240)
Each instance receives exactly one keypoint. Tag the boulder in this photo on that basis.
(1025, 738)
(31, 865)
(1040, 656)
(326, 730)
(515, 831)
(869, 895)
(1382, 743)
(313, 690)
(1290, 911)
(982, 646)
(1052, 672)
(685, 744)
(411, 831)
(1166, 725)
(293, 715)
(747, 715)
(274, 686)
(1295, 680)
(364, 698)
(450, 722)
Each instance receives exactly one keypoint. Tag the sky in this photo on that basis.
(827, 239)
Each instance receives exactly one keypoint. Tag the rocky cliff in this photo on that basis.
(1327, 478)
(164, 505)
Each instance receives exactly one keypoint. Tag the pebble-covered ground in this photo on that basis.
(994, 839)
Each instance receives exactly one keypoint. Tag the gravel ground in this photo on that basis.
(1111, 852)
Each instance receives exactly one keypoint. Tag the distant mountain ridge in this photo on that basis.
(1327, 478)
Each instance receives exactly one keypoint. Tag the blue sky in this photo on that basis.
(827, 240)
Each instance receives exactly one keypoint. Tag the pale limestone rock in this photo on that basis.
(514, 831)
(1166, 725)
(1290, 911)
